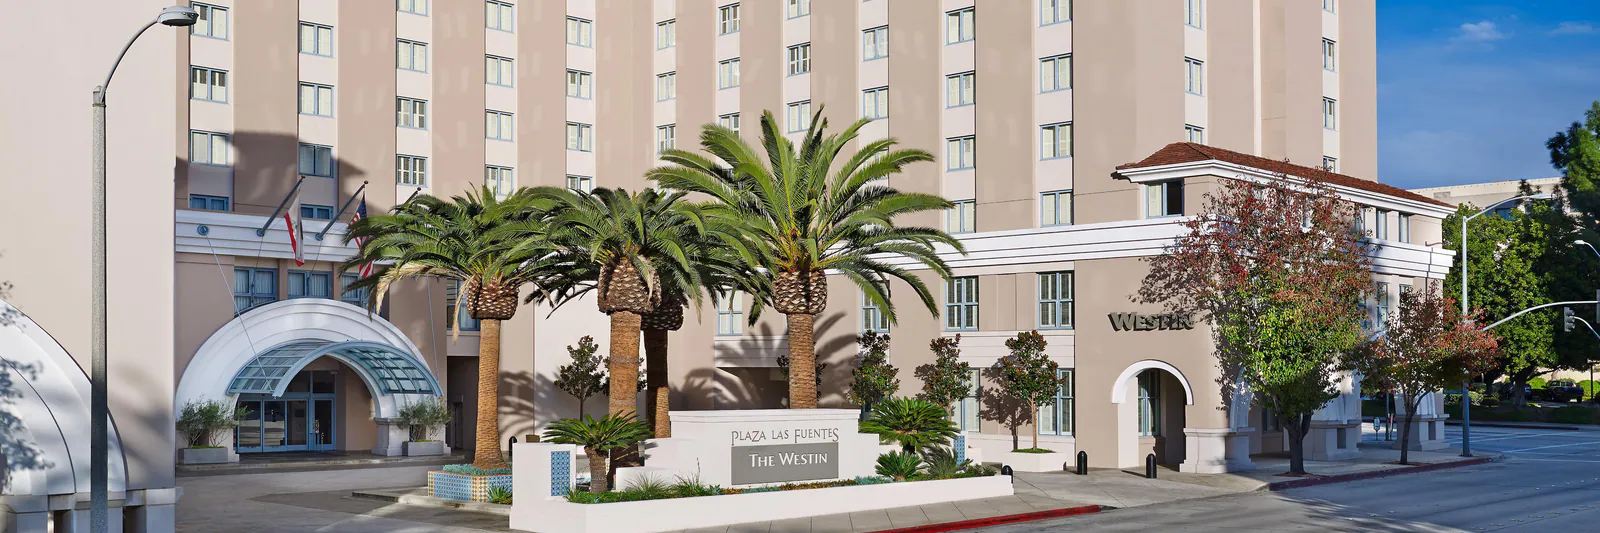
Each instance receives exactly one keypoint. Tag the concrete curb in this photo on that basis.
(996, 520)
(267, 467)
(1515, 425)
(430, 501)
(1345, 478)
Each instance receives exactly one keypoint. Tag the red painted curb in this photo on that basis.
(1298, 483)
(995, 521)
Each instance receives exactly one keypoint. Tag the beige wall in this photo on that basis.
(265, 110)
(366, 103)
(1007, 137)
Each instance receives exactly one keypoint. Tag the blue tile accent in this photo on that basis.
(452, 486)
(560, 473)
(960, 444)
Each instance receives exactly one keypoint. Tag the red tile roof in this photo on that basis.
(1192, 153)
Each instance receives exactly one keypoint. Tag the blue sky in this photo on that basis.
(1469, 90)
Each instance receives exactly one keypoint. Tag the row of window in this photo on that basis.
(1375, 222)
(253, 287)
(1162, 199)
(1055, 415)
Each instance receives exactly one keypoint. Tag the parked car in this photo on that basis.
(1562, 390)
(1503, 390)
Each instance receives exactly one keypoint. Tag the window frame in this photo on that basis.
(1057, 195)
(797, 114)
(585, 183)
(207, 201)
(575, 27)
(966, 25)
(356, 297)
(584, 84)
(504, 182)
(879, 42)
(879, 96)
(1063, 298)
(316, 103)
(872, 317)
(456, 315)
(1166, 196)
(406, 106)
(1403, 228)
(505, 125)
(1063, 406)
(667, 86)
(325, 212)
(211, 84)
(971, 405)
(412, 57)
(1330, 55)
(798, 59)
(500, 6)
(316, 27)
(211, 147)
(1055, 72)
(501, 64)
(1194, 14)
(965, 215)
(728, 19)
(957, 301)
(1053, 7)
(1191, 132)
(1330, 113)
(414, 3)
(730, 121)
(667, 33)
(968, 159)
(731, 310)
(1330, 5)
(794, 9)
(1194, 76)
(257, 298)
(1330, 164)
(306, 277)
(317, 149)
(728, 73)
(1055, 131)
(1149, 397)
(583, 133)
(207, 12)
(666, 137)
(412, 169)
(960, 89)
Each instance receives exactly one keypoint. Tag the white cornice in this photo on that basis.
(1213, 167)
(235, 234)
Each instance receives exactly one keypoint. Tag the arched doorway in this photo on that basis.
(1151, 398)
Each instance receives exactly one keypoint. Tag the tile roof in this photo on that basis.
(1191, 153)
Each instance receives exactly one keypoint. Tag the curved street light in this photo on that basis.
(175, 16)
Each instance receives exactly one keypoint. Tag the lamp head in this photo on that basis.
(178, 16)
(1541, 195)
(1580, 242)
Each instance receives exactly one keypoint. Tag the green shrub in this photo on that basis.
(424, 416)
(942, 463)
(1572, 414)
(689, 487)
(469, 470)
(873, 480)
(980, 470)
(1588, 388)
(912, 423)
(1537, 383)
(646, 488)
(202, 422)
(900, 466)
(500, 495)
(1033, 450)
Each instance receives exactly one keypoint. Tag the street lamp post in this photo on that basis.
(1466, 381)
(176, 16)
(1590, 389)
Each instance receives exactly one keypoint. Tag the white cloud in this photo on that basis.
(1479, 32)
(1574, 28)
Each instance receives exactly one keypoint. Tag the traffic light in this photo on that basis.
(1568, 320)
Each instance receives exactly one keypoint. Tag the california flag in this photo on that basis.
(292, 223)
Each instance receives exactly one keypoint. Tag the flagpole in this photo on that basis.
(263, 231)
(336, 216)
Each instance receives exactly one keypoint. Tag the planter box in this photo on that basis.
(465, 487)
(1037, 462)
(207, 456)
(414, 449)
(561, 516)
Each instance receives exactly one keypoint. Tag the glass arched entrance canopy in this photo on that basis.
(386, 369)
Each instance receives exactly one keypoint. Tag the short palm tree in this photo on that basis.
(490, 245)
(719, 273)
(787, 218)
(598, 438)
(914, 424)
(634, 245)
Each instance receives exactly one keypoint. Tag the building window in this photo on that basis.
(1194, 134)
(318, 212)
(497, 16)
(309, 285)
(1328, 55)
(253, 287)
(728, 73)
(968, 415)
(457, 317)
(580, 32)
(580, 84)
(960, 89)
(1380, 229)
(1192, 14)
(1055, 73)
(498, 71)
(1330, 164)
(1164, 199)
(1380, 292)
(730, 121)
(799, 8)
(666, 137)
(875, 103)
(961, 303)
(316, 160)
(580, 183)
(961, 217)
(1055, 417)
(316, 99)
(411, 170)
(500, 180)
(666, 34)
(208, 84)
(411, 113)
(1055, 300)
(411, 55)
(316, 39)
(212, 203)
(666, 86)
(356, 297)
(213, 22)
(872, 317)
(799, 116)
(208, 148)
(1055, 208)
(580, 137)
(1404, 228)
(497, 125)
(960, 153)
(730, 315)
(958, 26)
(800, 59)
(1055, 141)
(1053, 11)
(875, 43)
(1150, 403)
(1194, 75)
(1327, 5)
(416, 7)
(728, 19)
(1330, 112)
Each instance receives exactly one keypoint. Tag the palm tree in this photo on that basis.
(598, 438)
(786, 217)
(638, 247)
(490, 245)
(719, 274)
(914, 424)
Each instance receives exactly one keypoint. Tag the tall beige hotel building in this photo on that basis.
(1074, 138)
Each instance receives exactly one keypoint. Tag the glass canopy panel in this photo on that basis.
(391, 370)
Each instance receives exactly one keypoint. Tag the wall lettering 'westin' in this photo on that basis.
(1138, 322)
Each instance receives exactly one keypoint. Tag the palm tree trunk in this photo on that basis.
(624, 362)
(487, 452)
(655, 356)
(802, 362)
(597, 470)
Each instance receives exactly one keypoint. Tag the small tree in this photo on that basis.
(875, 378)
(1425, 346)
(1028, 374)
(947, 379)
(200, 422)
(583, 377)
(424, 416)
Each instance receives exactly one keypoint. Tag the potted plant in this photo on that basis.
(1028, 375)
(201, 423)
(423, 418)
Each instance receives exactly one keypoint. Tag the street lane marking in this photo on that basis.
(1589, 443)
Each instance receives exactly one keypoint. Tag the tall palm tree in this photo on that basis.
(785, 215)
(488, 244)
(638, 247)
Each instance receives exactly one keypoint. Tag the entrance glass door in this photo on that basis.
(322, 424)
(302, 419)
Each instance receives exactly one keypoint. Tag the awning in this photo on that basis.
(385, 368)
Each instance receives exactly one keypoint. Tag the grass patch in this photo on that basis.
(1033, 450)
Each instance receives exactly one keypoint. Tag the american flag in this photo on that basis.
(361, 242)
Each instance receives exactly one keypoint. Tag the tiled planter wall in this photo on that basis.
(465, 487)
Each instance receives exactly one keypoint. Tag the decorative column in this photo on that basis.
(392, 436)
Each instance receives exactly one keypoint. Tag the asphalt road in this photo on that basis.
(1549, 481)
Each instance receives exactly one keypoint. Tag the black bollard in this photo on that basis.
(512, 449)
(1150, 466)
(1083, 463)
(1005, 470)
